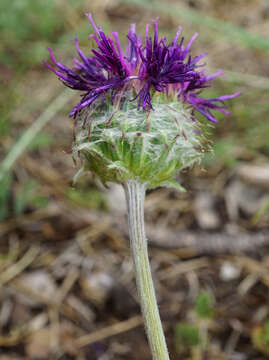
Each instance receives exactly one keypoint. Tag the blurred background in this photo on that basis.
(67, 287)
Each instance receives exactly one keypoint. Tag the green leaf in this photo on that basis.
(186, 335)
(92, 198)
(175, 185)
(5, 185)
(118, 165)
(204, 305)
(264, 335)
(78, 175)
(39, 201)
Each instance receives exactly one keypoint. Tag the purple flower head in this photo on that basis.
(106, 70)
(155, 67)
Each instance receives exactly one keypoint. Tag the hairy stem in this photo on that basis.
(135, 195)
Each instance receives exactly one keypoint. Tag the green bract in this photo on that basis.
(126, 143)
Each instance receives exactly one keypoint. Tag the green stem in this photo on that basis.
(135, 195)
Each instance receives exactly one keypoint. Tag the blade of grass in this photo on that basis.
(21, 145)
(252, 80)
(224, 29)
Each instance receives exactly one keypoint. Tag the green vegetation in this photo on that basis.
(204, 308)
(260, 338)
(14, 201)
(88, 198)
(191, 338)
(187, 335)
(28, 26)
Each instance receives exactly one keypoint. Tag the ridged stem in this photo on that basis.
(135, 196)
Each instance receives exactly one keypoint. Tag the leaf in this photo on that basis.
(90, 198)
(78, 175)
(174, 185)
(204, 305)
(118, 165)
(186, 335)
(5, 185)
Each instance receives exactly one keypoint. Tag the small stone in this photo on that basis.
(205, 213)
(242, 196)
(5, 312)
(97, 287)
(229, 271)
(39, 281)
(255, 174)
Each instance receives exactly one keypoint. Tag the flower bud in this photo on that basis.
(125, 143)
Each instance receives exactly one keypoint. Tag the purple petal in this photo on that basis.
(156, 66)
(174, 43)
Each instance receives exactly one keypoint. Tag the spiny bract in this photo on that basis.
(151, 147)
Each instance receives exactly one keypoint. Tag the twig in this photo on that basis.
(64, 309)
(182, 268)
(15, 269)
(205, 242)
(67, 285)
(25, 219)
(255, 268)
(108, 331)
(18, 335)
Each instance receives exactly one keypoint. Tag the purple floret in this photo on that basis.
(204, 106)
(106, 70)
(154, 67)
(190, 91)
(164, 64)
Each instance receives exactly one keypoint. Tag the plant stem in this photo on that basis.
(135, 196)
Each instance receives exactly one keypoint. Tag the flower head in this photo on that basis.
(130, 133)
(139, 72)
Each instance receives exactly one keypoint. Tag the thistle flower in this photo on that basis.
(139, 72)
(136, 118)
(135, 125)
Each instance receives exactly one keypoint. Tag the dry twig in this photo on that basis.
(108, 331)
(15, 269)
